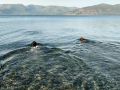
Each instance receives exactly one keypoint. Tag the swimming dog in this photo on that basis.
(34, 44)
(82, 40)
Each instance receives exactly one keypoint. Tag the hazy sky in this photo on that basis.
(70, 3)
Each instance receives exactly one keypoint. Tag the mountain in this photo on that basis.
(100, 9)
(19, 9)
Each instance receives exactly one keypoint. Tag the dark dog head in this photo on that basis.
(34, 44)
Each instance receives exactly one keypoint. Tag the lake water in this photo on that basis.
(62, 61)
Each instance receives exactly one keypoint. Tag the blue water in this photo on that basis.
(62, 62)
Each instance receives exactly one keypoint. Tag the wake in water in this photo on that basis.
(86, 66)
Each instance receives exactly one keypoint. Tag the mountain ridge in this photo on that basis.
(20, 9)
(96, 10)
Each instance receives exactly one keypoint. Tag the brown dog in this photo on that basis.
(82, 39)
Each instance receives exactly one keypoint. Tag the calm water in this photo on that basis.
(61, 62)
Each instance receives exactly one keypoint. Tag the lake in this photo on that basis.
(62, 61)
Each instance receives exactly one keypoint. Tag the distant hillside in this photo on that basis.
(96, 10)
(19, 9)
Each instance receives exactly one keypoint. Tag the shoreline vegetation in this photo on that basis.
(20, 9)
